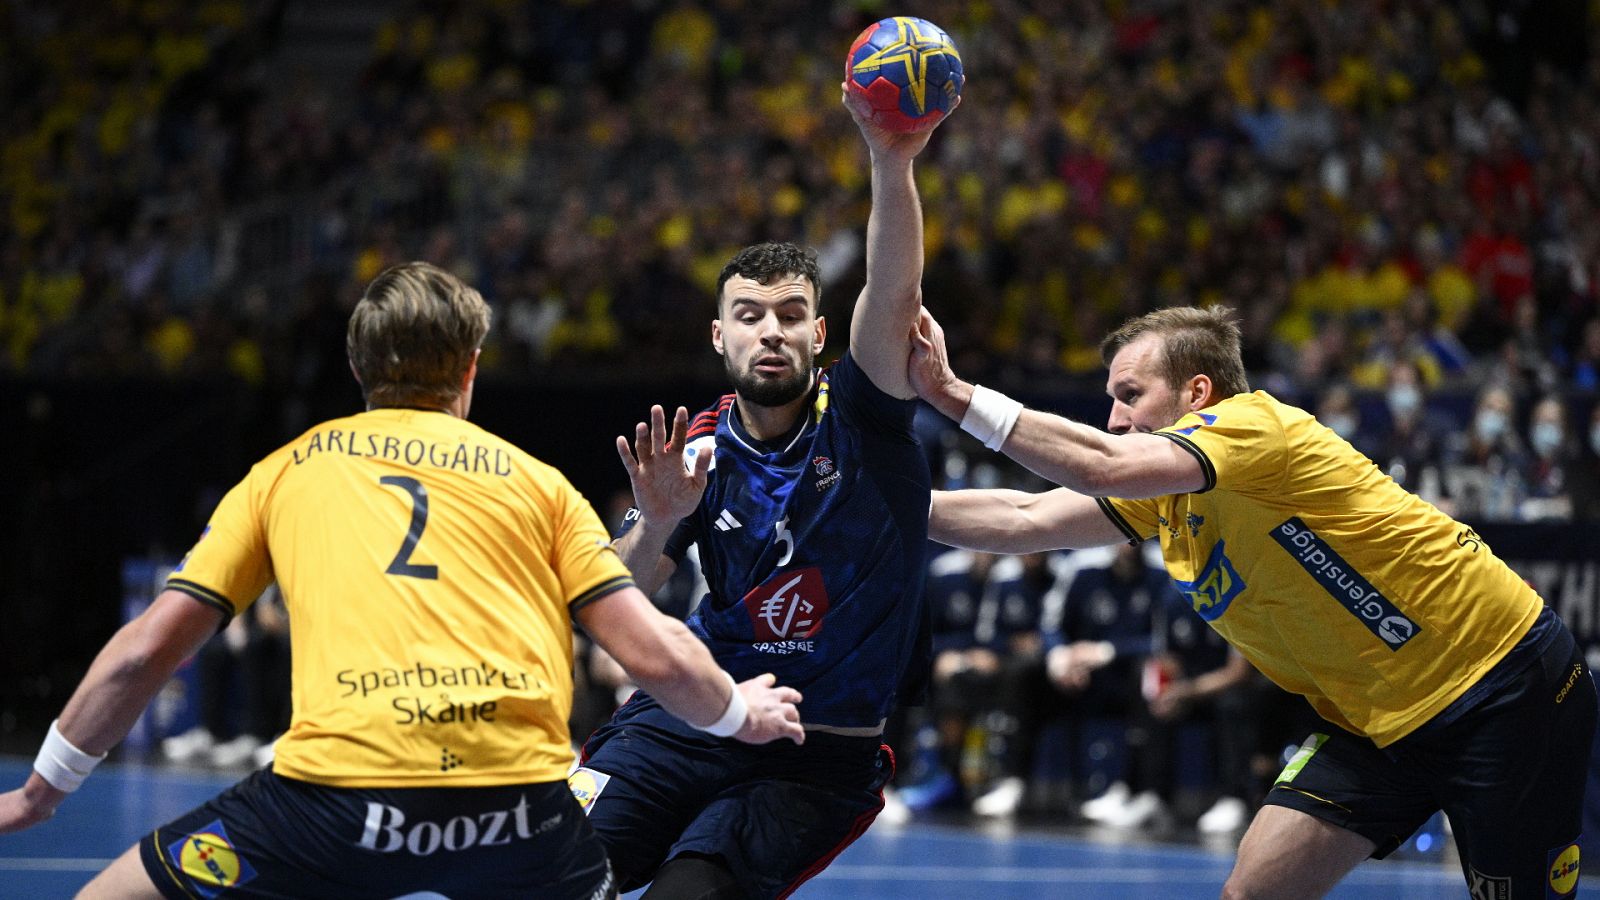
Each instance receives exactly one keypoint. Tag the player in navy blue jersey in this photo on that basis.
(807, 494)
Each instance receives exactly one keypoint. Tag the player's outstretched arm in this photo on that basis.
(1071, 454)
(121, 682)
(664, 657)
(665, 489)
(1007, 521)
(888, 304)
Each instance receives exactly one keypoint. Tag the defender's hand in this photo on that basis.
(928, 368)
(772, 713)
(664, 488)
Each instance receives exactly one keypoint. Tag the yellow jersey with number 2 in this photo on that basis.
(1333, 580)
(430, 570)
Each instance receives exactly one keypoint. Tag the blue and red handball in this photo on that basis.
(908, 70)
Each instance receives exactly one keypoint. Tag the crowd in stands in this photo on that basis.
(1378, 187)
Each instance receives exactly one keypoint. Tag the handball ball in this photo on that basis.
(908, 70)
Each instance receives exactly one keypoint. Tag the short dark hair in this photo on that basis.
(762, 262)
(1196, 340)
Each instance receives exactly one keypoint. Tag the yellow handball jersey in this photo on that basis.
(1332, 579)
(430, 570)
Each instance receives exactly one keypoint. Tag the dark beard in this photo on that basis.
(771, 392)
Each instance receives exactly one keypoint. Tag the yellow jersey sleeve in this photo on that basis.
(1137, 519)
(582, 555)
(229, 565)
(1240, 445)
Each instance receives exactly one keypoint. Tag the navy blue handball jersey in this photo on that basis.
(813, 548)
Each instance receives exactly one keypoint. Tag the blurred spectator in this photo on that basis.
(1413, 451)
(1550, 460)
(1485, 474)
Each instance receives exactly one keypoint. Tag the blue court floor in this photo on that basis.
(925, 862)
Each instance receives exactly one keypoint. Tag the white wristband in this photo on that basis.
(733, 717)
(990, 416)
(61, 764)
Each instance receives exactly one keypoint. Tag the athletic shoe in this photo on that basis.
(1002, 800)
(1107, 804)
(895, 812)
(237, 752)
(1227, 815)
(188, 746)
(1143, 809)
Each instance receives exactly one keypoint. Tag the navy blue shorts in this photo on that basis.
(270, 836)
(1509, 771)
(776, 815)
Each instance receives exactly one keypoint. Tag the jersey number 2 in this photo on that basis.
(402, 564)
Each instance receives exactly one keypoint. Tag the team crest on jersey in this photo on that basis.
(209, 860)
(826, 469)
(789, 606)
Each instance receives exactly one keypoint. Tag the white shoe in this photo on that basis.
(1140, 811)
(895, 812)
(1115, 798)
(263, 755)
(1226, 816)
(1002, 800)
(237, 752)
(187, 746)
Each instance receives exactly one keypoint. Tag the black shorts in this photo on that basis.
(775, 815)
(270, 836)
(1509, 772)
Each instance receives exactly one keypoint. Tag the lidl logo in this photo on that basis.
(210, 861)
(1563, 871)
(586, 785)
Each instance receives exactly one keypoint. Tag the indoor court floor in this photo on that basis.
(923, 861)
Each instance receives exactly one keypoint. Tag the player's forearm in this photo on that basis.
(641, 550)
(662, 656)
(894, 237)
(1074, 455)
(995, 521)
(126, 675)
(684, 678)
(888, 305)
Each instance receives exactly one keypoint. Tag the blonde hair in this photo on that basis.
(413, 335)
(1195, 340)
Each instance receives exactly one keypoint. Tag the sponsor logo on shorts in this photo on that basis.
(386, 830)
(1572, 679)
(1487, 887)
(586, 785)
(1563, 877)
(1215, 587)
(1344, 584)
(209, 860)
(1301, 757)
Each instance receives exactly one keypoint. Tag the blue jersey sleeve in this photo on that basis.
(863, 404)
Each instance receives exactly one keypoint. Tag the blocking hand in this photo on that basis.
(665, 489)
